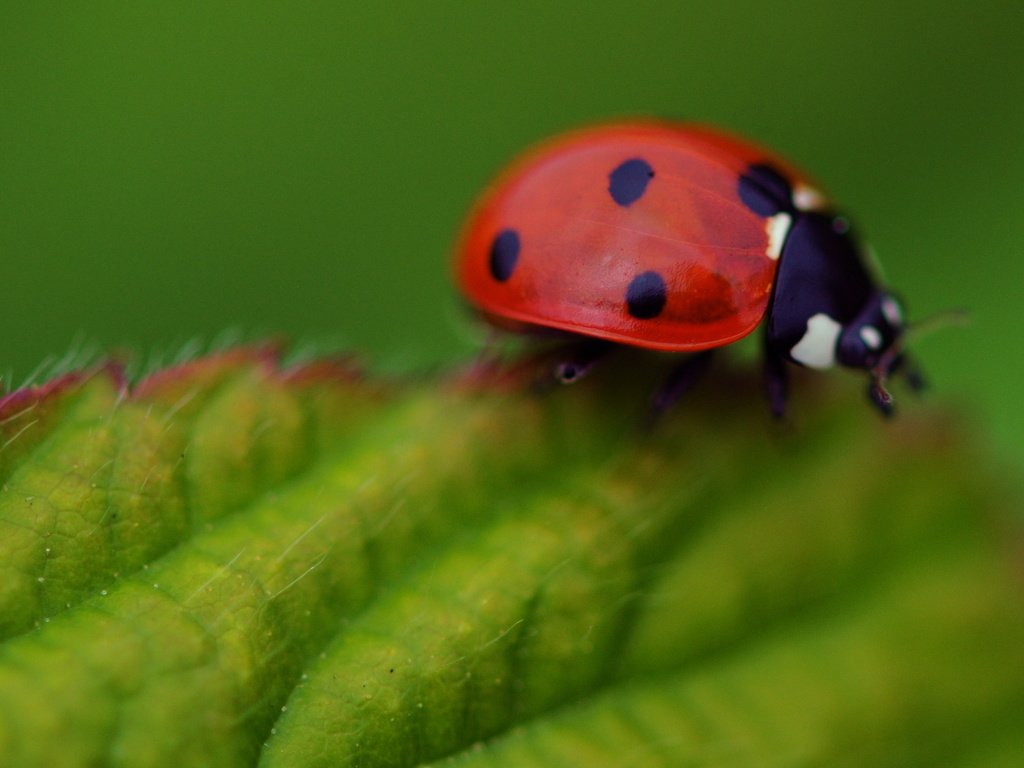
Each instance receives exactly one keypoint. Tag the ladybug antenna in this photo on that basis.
(944, 318)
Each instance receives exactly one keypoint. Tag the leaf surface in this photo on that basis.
(233, 564)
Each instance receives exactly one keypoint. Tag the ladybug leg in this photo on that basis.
(880, 397)
(679, 382)
(912, 374)
(776, 380)
(916, 380)
(877, 392)
(579, 359)
(899, 363)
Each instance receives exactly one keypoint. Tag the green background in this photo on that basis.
(171, 170)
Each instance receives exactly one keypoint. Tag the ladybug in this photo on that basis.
(678, 238)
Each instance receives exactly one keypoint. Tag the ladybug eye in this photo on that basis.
(840, 225)
(871, 337)
(892, 311)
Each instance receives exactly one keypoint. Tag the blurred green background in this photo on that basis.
(171, 170)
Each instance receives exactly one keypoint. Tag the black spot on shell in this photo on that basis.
(646, 295)
(628, 182)
(765, 191)
(504, 254)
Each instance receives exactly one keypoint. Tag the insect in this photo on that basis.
(678, 238)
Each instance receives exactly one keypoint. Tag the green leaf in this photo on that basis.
(233, 564)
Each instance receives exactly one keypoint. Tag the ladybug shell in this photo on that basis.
(634, 233)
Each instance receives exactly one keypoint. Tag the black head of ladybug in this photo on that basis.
(827, 308)
(873, 334)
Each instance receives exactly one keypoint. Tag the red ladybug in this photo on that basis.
(677, 238)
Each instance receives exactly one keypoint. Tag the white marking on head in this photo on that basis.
(807, 198)
(777, 227)
(817, 348)
(892, 311)
(871, 337)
